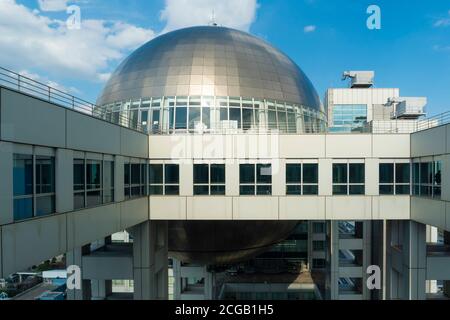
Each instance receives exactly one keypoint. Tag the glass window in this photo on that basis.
(247, 173)
(255, 179)
(201, 174)
(33, 186)
(45, 175)
(318, 227)
(45, 185)
(136, 180)
(347, 118)
(172, 174)
(194, 116)
(348, 179)
(356, 172)
(302, 179)
(386, 171)
(23, 175)
(264, 173)
(23, 186)
(209, 179)
(427, 176)
(93, 183)
(310, 173)
(340, 173)
(156, 179)
(164, 179)
(235, 114)
(293, 173)
(394, 178)
(181, 117)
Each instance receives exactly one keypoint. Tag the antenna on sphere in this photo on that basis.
(213, 19)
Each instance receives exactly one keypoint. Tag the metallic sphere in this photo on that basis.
(210, 61)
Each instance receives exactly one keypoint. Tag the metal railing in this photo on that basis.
(15, 81)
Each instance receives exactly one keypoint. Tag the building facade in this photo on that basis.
(214, 178)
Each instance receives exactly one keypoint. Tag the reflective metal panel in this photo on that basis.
(210, 60)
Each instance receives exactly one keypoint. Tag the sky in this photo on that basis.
(411, 51)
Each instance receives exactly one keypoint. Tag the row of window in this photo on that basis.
(93, 180)
(173, 114)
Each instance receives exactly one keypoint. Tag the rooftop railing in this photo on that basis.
(15, 81)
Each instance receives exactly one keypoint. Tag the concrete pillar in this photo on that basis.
(178, 281)
(64, 180)
(101, 289)
(119, 193)
(372, 177)
(209, 285)
(334, 260)
(367, 257)
(74, 257)
(325, 177)
(447, 282)
(186, 178)
(431, 237)
(150, 260)
(232, 178)
(414, 260)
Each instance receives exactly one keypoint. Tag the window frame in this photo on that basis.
(164, 185)
(209, 183)
(255, 184)
(34, 195)
(302, 183)
(394, 183)
(348, 185)
(432, 185)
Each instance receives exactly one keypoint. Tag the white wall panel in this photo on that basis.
(30, 242)
(168, 208)
(255, 208)
(210, 208)
(29, 120)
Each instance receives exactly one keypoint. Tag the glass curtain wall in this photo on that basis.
(166, 115)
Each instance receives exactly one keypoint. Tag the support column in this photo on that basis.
(209, 284)
(101, 289)
(334, 260)
(431, 237)
(150, 260)
(414, 260)
(367, 258)
(75, 257)
(447, 282)
(64, 180)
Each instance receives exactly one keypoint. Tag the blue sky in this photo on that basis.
(411, 51)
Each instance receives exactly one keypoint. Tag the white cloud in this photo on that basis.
(33, 41)
(53, 84)
(443, 22)
(53, 5)
(237, 14)
(310, 28)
